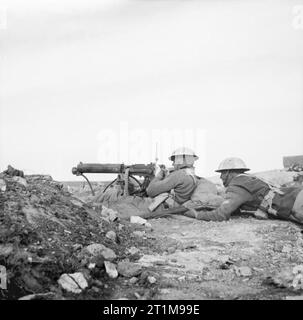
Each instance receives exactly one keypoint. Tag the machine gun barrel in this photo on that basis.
(141, 170)
(136, 169)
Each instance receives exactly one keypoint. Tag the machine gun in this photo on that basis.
(125, 173)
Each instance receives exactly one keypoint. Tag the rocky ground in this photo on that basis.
(55, 246)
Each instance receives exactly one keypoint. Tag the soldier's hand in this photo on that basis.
(162, 174)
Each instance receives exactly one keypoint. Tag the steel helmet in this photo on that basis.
(232, 164)
(183, 151)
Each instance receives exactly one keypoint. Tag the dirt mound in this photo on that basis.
(45, 233)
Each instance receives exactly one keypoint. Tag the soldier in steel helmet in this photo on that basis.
(250, 193)
(182, 180)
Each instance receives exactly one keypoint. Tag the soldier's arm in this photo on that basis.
(235, 197)
(158, 186)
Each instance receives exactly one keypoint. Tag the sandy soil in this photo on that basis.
(203, 260)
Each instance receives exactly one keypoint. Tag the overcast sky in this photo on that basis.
(107, 81)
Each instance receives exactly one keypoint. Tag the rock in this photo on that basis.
(243, 271)
(171, 250)
(76, 202)
(133, 250)
(111, 269)
(133, 280)
(34, 199)
(74, 283)
(287, 249)
(109, 214)
(86, 273)
(111, 235)
(2, 185)
(139, 233)
(109, 254)
(20, 180)
(151, 279)
(141, 221)
(97, 249)
(138, 220)
(6, 250)
(129, 269)
(92, 266)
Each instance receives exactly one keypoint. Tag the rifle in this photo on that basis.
(124, 173)
(177, 210)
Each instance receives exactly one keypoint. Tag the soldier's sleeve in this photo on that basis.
(234, 198)
(157, 186)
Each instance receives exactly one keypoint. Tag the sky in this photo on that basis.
(128, 81)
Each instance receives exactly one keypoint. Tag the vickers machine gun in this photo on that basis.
(132, 185)
(126, 173)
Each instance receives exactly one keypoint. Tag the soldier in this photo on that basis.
(166, 190)
(248, 192)
(181, 181)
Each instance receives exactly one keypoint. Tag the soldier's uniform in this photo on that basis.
(182, 181)
(250, 193)
(170, 191)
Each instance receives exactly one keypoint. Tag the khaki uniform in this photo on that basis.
(250, 193)
(179, 186)
(182, 181)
